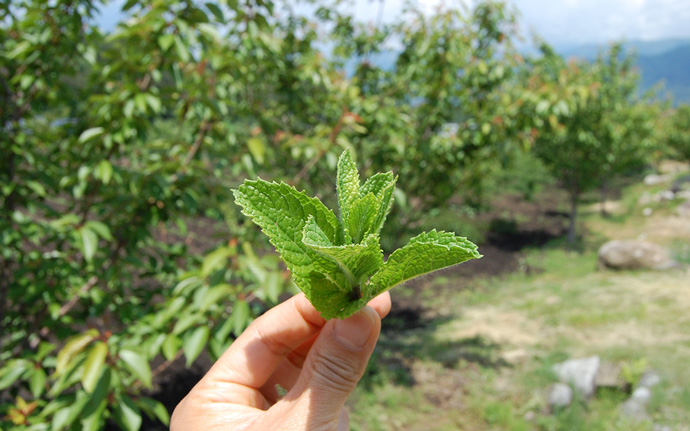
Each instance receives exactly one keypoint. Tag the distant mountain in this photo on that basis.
(640, 47)
(666, 61)
(672, 68)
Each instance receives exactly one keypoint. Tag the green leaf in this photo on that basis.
(182, 50)
(194, 343)
(37, 188)
(154, 102)
(362, 215)
(214, 295)
(100, 228)
(90, 134)
(92, 415)
(89, 242)
(257, 149)
(37, 382)
(104, 171)
(72, 348)
(155, 409)
(423, 254)
(382, 185)
(171, 346)
(127, 414)
(338, 263)
(281, 212)
(357, 261)
(12, 372)
(165, 41)
(215, 10)
(240, 316)
(138, 365)
(216, 260)
(67, 415)
(93, 365)
(347, 188)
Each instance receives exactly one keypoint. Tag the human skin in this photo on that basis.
(318, 362)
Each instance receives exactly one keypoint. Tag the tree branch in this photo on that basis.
(91, 282)
(331, 142)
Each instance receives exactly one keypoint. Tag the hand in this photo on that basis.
(319, 363)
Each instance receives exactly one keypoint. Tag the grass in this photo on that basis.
(484, 361)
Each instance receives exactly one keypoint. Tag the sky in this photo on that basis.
(563, 23)
(576, 22)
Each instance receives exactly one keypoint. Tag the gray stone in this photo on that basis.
(560, 395)
(649, 379)
(609, 376)
(633, 410)
(645, 199)
(635, 407)
(684, 209)
(658, 427)
(641, 395)
(665, 195)
(647, 212)
(633, 254)
(580, 373)
(683, 194)
(654, 179)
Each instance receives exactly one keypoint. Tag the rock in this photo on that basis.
(560, 395)
(649, 379)
(658, 427)
(647, 212)
(631, 254)
(635, 407)
(683, 194)
(681, 184)
(645, 199)
(654, 179)
(664, 195)
(609, 376)
(684, 209)
(580, 373)
(641, 395)
(515, 356)
(631, 409)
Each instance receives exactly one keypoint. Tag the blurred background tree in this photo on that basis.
(122, 251)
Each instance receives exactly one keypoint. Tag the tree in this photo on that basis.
(591, 124)
(119, 150)
(679, 132)
(442, 110)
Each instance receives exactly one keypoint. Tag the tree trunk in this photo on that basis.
(603, 196)
(574, 195)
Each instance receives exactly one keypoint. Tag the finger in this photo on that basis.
(287, 373)
(344, 421)
(382, 304)
(333, 367)
(255, 355)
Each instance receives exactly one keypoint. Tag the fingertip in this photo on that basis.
(307, 310)
(382, 304)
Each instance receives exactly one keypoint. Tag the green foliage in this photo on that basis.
(120, 148)
(590, 124)
(679, 132)
(337, 262)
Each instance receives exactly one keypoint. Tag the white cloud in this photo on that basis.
(585, 21)
(569, 22)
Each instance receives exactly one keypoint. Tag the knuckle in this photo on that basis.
(336, 374)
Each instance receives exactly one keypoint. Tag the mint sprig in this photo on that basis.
(337, 261)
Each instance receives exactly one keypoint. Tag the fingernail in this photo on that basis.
(354, 331)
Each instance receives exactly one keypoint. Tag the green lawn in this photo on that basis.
(482, 359)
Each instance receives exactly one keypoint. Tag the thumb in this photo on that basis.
(335, 363)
